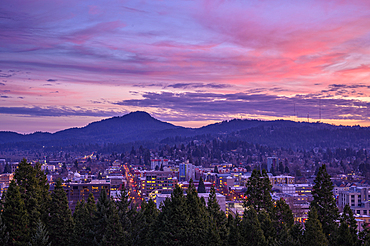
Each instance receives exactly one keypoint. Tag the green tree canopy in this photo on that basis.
(60, 222)
(324, 202)
(15, 216)
(201, 186)
(258, 192)
(314, 234)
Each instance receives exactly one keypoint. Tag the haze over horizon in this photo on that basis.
(67, 63)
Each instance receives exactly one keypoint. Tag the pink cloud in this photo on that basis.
(82, 36)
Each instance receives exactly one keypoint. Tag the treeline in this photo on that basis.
(31, 215)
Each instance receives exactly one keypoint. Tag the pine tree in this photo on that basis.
(347, 231)
(250, 229)
(41, 237)
(4, 234)
(15, 216)
(201, 186)
(258, 192)
(60, 222)
(34, 190)
(324, 202)
(84, 222)
(172, 225)
(233, 225)
(267, 226)
(126, 213)
(294, 237)
(314, 234)
(364, 235)
(198, 219)
(108, 228)
(143, 223)
(283, 218)
(217, 216)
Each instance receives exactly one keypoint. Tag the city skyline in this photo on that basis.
(65, 64)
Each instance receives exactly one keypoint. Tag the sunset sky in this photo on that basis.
(65, 63)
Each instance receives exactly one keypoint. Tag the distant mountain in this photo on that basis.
(140, 126)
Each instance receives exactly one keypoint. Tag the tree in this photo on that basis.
(108, 228)
(324, 202)
(7, 168)
(198, 220)
(60, 222)
(34, 190)
(126, 212)
(201, 186)
(233, 225)
(364, 235)
(15, 216)
(84, 222)
(283, 219)
(250, 229)
(215, 170)
(217, 217)
(4, 234)
(172, 225)
(143, 224)
(286, 169)
(258, 192)
(347, 231)
(41, 237)
(314, 234)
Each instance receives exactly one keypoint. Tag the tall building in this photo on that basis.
(186, 172)
(272, 162)
(78, 191)
(357, 198)
(157, 181)
(157, 163)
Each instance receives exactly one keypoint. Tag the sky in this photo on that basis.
(66, 63)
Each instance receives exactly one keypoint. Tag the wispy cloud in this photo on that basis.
(253, 104)
(57, 111)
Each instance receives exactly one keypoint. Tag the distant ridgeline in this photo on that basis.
(139, 128)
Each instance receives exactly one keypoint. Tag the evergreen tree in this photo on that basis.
(15, 216)
(283, 218)
(60, 222)
(198, 220)
(108, 228)
(314, 234)
(84, 222)
(258, 192)
(233, 224)
(172, 225)
(250, 229)
(364, 235)
(41, 237)
(324, 202)
(7, 168)
(143, 223)
(34, 190)
(217, 216)
(347, 231)
(294, 236)
(201, 186)
(4, 234)
(267, 226)
(127, 213)
(215, 170)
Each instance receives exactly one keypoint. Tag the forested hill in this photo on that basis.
(143, 128)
